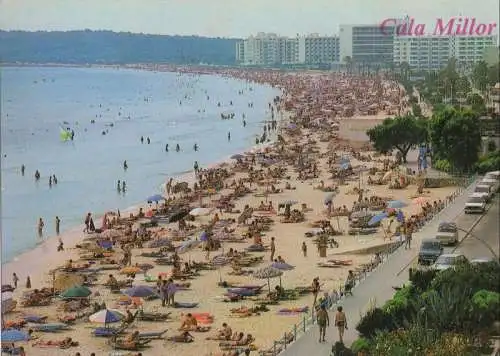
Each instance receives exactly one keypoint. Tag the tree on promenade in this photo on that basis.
(400, 133)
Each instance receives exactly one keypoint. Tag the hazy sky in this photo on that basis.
(230, 18)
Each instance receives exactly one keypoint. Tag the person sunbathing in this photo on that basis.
(112, 281)
(132, 339)
(225, 333)
(189, 324)
(246, 340)
(184, 337)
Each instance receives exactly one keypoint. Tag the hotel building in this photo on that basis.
(367, 43)
(434, 52)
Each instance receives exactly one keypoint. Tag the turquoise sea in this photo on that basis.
(169, 108)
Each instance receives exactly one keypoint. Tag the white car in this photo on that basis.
(493, 183)
(448, 260)
(475, 205)
(481, 260)
(484, 191)
(447, 233)
(495, 175)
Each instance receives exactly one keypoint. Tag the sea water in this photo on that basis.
(125, 105)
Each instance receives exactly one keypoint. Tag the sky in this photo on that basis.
(231, 18)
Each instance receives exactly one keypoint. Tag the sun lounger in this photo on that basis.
(152, 335)
(108, 332)
(50, 328)
(35, 319)
(185, 305)
(243, 292)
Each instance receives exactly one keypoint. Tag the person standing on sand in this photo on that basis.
(273, 249)
(58, 225)
(41, 224)
(340, 323)
(60, 247)
(323, 322)
(304, 249)
(28, 282)
(87, 222)
(15, 279)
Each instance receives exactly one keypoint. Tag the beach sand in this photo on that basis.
(289, 237)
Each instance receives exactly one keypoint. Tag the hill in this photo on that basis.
(107, 47)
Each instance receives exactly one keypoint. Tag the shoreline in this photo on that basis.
(134, 207)
(319, 143)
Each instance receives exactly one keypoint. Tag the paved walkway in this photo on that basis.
(374, 290)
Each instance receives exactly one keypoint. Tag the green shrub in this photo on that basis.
(374, 321)
(360, 344)
(421, 279)
(442, 165)
(491, 146)
(488, 162)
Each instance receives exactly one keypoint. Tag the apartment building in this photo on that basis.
(240, 52)
(434, 52)
(316, 49)
(367, 43)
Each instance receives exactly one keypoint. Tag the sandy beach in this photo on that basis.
(319, 129)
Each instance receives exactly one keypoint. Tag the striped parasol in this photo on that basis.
(268, 273)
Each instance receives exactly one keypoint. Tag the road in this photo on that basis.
(377, 288)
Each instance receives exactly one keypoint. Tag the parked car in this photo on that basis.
(493, 183)
(475, 205)
(478, 260)
(447, 233)
(485, 191)
(493, 175)
(430, 250)
(448, 260)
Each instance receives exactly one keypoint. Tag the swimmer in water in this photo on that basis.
(118, 186)
(124, 186)
(37, 175)
(23, 168)
(229, 136)
(142, 139)
(125, 165)
(166, 147)
(244, 123)
(54, 179)
(50, 181)
(149, 141)
(177, 148)
(195, 147)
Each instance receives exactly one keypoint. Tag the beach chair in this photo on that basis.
(50, 328)
(152, 335)
(108, 332)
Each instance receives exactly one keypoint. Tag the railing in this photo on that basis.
(333, 298)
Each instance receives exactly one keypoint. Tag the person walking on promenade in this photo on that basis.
(273, 249)
(340, 323)
(315, 289)
(323, 322)
(408, 236)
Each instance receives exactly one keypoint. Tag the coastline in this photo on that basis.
(134, 206)
(289, 236)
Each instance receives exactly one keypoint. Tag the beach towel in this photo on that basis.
(185, 305)
(291, 311)
(35, 319)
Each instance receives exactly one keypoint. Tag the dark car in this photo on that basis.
(430, 250)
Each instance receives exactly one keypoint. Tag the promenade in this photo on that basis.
(377, 287)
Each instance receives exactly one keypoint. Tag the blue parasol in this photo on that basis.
(204, 236)
(155, 198)
(377, 218)
(140, 291)
(396, 204)
(13, 335)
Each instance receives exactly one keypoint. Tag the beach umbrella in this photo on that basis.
(420, 200)
(187, 246)
(282, 266)
(204, 236)
(268, 273)
(140, 291)
(288, 202)
(396, 204)
(130, 270)
(219, 261)
(237, 156)
(155, 198)
(106, 316)
(76, 292)
(329, 197)
(377, 218)
(13, 335)
(200, 211)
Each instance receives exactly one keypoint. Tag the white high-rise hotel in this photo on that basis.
(365, 44)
